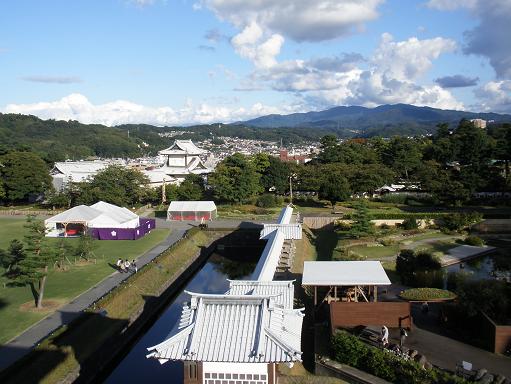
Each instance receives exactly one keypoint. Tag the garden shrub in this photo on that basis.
(410, 223)
(342, 226)
(460, 221)
(267, 201)
(348, 349)
(394, 198)
(419, 269)
(474, 240)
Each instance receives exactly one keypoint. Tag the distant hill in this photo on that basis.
(383, 120)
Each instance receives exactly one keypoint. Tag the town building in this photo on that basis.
(67, 172)
(479, 123)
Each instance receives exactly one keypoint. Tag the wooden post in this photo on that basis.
(375, 299)
(335, 293)
(356, 293)
(315, 295)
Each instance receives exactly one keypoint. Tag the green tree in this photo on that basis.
(191, 189)
(276, 176)
(116, 185)
(361, 225)
(404, 155)
(334, 187)
(22, 174)
(11, 258)
(31, 267)
(85, 247)
(329, 149)
(235, 179)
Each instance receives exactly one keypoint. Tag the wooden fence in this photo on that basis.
(352, 314)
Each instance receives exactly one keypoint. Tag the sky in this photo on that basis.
(181, 62)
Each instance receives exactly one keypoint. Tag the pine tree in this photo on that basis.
(361, 225)
(31, 267)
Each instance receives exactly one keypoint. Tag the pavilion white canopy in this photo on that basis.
(344, 273)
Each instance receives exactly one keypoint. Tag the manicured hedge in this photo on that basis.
(426, 294)
(348, 349)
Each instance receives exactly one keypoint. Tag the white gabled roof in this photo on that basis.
(290, 231)
(344, 273)
(99, 215)
(285, 215)
(267, 264)
(120, 214)
(236, 329)
(184, 147)
(191, 206)
(80, 213)
(283, 291)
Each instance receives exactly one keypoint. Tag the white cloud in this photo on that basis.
(495, 96)
(301, 20)
(250, 45)
(450, 5)
(52, 79)
(490, 38)
(78, 107)
(390, 76)
(409, 59)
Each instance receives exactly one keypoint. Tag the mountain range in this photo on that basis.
(382, 120)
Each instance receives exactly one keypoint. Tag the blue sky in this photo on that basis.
(203, 61)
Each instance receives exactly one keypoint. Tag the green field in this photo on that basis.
(375, 252)
(62, 286)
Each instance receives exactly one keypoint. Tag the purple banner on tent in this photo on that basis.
(144, 227)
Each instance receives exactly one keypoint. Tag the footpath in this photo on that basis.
(23, 344)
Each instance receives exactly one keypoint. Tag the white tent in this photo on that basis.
(100, 215)
(191, 210)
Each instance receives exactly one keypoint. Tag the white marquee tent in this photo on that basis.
(76, 220)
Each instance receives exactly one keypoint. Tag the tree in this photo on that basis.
(192, 188)
(116, 185)
(334, 187)
(329, 149)
(404, 155)
(235, 179)
(31, 266)
(22, 174)
(276, 176)
(11, 258)
(361, 225)
(85, 247)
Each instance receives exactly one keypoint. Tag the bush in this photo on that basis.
(348, 349)
(394, 198)
(410, 223)
(474, 240)
(460, 221)
(342, 226)
(426, 294)
(267, 201)
(419, 269)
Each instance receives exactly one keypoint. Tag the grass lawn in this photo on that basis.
(372, 253)
(442, 246)
(62, 286)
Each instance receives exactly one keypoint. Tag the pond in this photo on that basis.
(493, 266)
(211, 278)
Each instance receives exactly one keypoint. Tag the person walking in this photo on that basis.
(122, 267)
(134, 265)
(384, 336)
(402, 336)
(119, 262)
(127, 265)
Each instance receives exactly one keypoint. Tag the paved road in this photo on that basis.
(22, 344)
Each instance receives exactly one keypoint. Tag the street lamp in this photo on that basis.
(291, 177)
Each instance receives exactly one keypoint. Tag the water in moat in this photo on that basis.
(211, 278)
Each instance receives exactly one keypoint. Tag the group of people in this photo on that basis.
(384, 336)
(126, 266)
